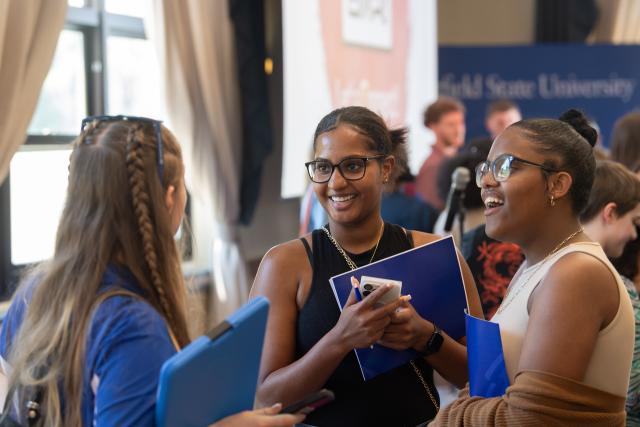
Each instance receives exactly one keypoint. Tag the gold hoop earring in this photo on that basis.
(552, 201)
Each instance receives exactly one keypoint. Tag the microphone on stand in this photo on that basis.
(455, 200)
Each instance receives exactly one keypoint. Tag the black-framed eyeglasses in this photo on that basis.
(501, 169)
(156, 126)
(351, 168)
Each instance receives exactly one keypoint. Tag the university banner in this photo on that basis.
(544, 80)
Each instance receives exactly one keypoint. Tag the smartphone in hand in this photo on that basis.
(369, 284)
(310, 403)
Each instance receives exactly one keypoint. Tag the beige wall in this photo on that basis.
(482, 22)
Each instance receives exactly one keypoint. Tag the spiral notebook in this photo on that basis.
(431, 274)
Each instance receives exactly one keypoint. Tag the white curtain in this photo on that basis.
(198, 56)
(29, 31)
(619, 22)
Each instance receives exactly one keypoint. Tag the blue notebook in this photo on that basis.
(217, 374)
(431, 274)
(487, 371)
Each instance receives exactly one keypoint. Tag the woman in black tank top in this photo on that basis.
(309, 343)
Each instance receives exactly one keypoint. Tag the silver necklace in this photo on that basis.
(352, 265)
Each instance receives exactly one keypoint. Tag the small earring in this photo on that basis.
(385, 180)
(552, 201)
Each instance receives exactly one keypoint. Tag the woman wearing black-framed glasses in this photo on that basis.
(309, 343)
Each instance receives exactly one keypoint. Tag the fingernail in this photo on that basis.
(276, 405)
(354, 282)
(406, 297)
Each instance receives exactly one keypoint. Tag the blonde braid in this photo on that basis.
(140, 196)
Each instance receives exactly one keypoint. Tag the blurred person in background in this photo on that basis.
(628, 265)
(625, 141)
(446, 119)
(312, 214)
(402, 209)
(501, 114)
(611, 218)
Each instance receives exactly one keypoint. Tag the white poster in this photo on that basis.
(378, 53)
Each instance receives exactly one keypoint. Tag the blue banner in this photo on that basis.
(545, 80)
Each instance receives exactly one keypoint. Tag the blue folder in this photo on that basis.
(487, 371)
(217, 374)
(431, 274)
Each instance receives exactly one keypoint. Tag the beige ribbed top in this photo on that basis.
(610, 363)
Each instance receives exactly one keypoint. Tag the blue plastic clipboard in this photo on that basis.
(217, 374)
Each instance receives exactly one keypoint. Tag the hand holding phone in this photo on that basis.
(369, 284)
(310, 402)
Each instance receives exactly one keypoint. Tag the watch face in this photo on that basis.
(434, 343)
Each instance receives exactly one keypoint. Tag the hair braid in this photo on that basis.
(140, 197)
(91, 132)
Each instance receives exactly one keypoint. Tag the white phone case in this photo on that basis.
(369, 284)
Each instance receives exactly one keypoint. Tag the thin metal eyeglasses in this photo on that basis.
(351, 168)
(156, 126)
(501, 169)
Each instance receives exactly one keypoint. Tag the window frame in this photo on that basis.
(96, 24)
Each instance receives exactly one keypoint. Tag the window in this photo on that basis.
(62, 103)
(34, 218)
(133, 89)
(137, 8)
(103, 64)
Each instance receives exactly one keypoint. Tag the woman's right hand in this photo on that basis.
(266, 417)
(361, 324)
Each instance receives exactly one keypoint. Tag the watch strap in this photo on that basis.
(434, 342)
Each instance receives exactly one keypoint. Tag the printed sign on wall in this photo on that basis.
(368, 23)
(601, 80)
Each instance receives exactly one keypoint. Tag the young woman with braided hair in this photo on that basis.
(89, 330)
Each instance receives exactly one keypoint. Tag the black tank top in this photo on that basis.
(395, 398)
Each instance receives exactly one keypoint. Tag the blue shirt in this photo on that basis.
(408, 212)
(128, 343)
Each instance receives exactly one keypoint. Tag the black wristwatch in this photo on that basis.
(434, 343)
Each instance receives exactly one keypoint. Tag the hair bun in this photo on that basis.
(398, 136)
(577, 120)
